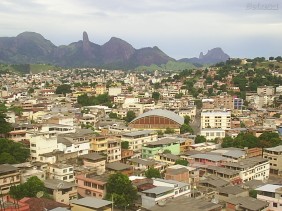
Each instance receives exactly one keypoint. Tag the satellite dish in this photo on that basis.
(214, 200)
(60, 185)
(162, 202)
(39, 194)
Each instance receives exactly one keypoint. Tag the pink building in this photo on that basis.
(91, 185)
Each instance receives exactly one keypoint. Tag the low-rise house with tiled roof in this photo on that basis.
(118, 167)
(245, 203)
(60, 190)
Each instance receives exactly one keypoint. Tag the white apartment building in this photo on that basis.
(255, 168)
(61, 171)
(137, 138)
(75, 142)
(213, 133)
(113, 150)
(266, 90)
(57, 128)
(190, 111)
(140, 106)
(271, 194)
(114, 91)
(164, 189)
(263, 100)
(216, 119)
(40, 143)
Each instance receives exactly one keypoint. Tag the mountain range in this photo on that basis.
(31, 47)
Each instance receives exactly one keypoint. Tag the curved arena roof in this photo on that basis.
(164, 113)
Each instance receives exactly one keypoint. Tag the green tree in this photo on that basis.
(253, 193)
(130, 89)
(152, 173)
(156, 96)
(63, 89)
(18, 110)
(125, 145)
(130, 115)
(277, 115)
(181, 162)
(186, 128)
(121, 190)
(12, 152)
(28, 189)
(187, 119)
(30, 90)
(113, 115)
(5, 127)
(178, 95)
(166, 151)
(200, 139)
(169, 131)
(103, 99)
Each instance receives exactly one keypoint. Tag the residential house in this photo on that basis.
(137, 138)
(91, 203)
(9, 176)
(60, 190)
(245, 203)
(184, 203)
(98, 144)
(164, 189)
(40, 143)
(75, 142)
(224, 193)
(113, 149)
(272, 194)
(94, 160)
(92, 184)
(274, 155)
(149, 150)
(251, 168)
(61, 172)
(213, 133)
(117, 167)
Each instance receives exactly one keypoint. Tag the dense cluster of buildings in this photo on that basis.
(74, 149)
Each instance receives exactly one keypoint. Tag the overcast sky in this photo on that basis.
(181, 28)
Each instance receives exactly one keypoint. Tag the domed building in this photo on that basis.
(158, 119)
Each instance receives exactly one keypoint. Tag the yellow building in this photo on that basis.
(100, 89)
(99, 144)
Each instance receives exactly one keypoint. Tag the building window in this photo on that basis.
(65, 178)
(274, 204)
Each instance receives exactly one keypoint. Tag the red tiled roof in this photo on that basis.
(41, 204)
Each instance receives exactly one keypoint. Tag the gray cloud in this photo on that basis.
(181, 28)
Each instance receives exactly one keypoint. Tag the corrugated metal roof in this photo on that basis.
(159, 190)
(91, 202)
(275, 149)
(138, 133)
(165, 113)
(269, 188)
(208, 157)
